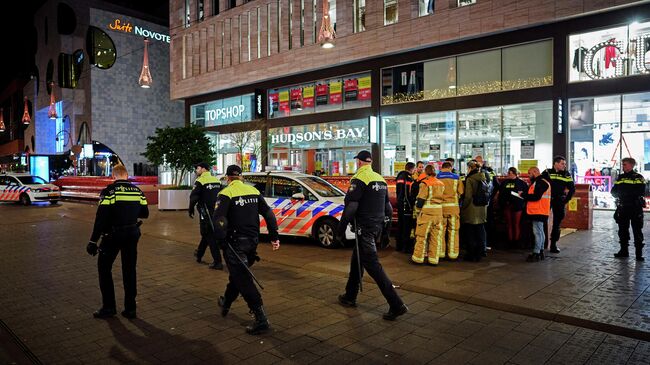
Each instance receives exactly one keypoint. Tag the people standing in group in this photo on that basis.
(429, 233)
(121, 204)
(562, 190)
(367, 207)
(629, 192)
(237, 226)
(512, 206)
(454, 188)
(473, 217)
(452, 162)
(405, 204)
(538, 208)
(203, 197)
(491, 177)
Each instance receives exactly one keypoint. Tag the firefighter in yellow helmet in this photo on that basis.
(450, 211)
(428, 230)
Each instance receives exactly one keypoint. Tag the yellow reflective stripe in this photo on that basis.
(127, 198)
(432, 206)
(449, 204)
(128, 193)
(107, 201)
(451, 245)
(627, 181)
(561, 178)
(143, 202)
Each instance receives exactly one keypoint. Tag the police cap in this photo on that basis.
(364, 156)
(233, 170)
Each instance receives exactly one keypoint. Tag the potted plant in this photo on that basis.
(178, 149)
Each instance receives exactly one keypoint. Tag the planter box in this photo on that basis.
(173, 199)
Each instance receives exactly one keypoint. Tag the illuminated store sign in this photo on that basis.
(126, 27)
(622, 58)
(321, 135)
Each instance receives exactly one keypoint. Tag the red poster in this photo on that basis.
(321, 94)
(296, 99)
(351, 89)
(284, 101)
(273, 99)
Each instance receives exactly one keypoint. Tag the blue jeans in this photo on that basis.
(540, 236)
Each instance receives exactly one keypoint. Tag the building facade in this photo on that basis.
(90, 55)
(513, 81)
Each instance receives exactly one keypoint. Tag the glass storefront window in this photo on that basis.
(243, 149)
(608, 53)
(512, 135)
(319, 149)
(510, 68)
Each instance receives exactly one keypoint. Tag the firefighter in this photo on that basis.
(562, 189)
(237, 224)
(367, 207)
(121, 204)
(429, 232)
(454, 188)
(203, 196)
(404, 183)
(629, 191)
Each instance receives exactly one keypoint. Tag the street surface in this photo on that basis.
(570, 309)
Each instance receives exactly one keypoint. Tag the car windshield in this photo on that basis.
(321, 187)
(31, 180)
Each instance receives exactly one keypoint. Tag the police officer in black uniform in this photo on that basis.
(629, 191)
(237, 224)
(562, 190)
(120, 206)
(405, 202)
(366, 203)
(203, 197)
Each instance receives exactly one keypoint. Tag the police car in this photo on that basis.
(26, 188)
(304, 205)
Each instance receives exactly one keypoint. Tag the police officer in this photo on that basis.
(203, 196)
(629, 191)
(562, 190)
(120, 206)
(366, 203)
(237, 224)
(403, 184)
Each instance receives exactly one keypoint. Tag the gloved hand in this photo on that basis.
(340, 232)
(91, 248)
(190, 212)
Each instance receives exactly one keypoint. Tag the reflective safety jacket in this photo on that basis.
(120, 205)
(454, 187)
(629, 190)
(404, 185)
(431, 194)
(237, 211)
(205, 192)
(562, 186)
(539, 199)
(366, 199)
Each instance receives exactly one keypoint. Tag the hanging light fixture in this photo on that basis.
(145, 80)
(51, 112)
(26, 118)
(326, 34)
(2, 120)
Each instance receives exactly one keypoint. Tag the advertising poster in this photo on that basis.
(284, 101)
(477, 149)
(399, 166)
(308, 97)
(296, 98)
(434, 151)
(524, 165)
(321, 94)
(351, 89)
(273, 103)
(527, 148)
(400, 153)
(364, 88)
(335, 92)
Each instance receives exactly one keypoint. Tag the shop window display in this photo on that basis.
(242, 148)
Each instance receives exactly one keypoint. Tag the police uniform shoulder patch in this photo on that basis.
(352, 187)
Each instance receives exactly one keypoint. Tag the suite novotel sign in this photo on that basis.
(126, 27)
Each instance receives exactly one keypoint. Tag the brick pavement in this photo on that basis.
(50, 288)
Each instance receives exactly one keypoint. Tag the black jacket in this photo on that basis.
(506, 199)
(404, 184)
(629, 190)
(205, 192)
(120, 204)
(562, 186)
(366, 200)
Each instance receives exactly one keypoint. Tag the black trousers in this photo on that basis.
(559, 211)
(404, 226)
(240, 280)
(370, 262)
(472, 237)
(625, 216)
(208, 240)
(126, 242)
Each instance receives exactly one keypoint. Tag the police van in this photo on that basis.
(26, 188)
(304, 205)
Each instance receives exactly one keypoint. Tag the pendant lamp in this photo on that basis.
(2, 120)
(26, 118)
(326, 34)
(145, 80)
(51, 112)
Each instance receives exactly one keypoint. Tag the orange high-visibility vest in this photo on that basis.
(542, 206)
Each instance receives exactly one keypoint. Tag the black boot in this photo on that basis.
(639, 253)
(533, 257)
(224, 305)
(260, 324)
(622, 253)
(541, 255)
(554, 248)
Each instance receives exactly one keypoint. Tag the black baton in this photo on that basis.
(356, 240)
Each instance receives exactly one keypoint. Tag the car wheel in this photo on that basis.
(325, 233)
(24, 199)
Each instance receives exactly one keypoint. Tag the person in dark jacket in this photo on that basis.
(510, 205)
(367, 207)
(629, 191)
(203, 197)
(404, 184)
(121, 204)
(237, 225)
(562, 190)
(538, 207)
(472, 217)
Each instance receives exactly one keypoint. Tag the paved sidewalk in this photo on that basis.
(49, 289)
